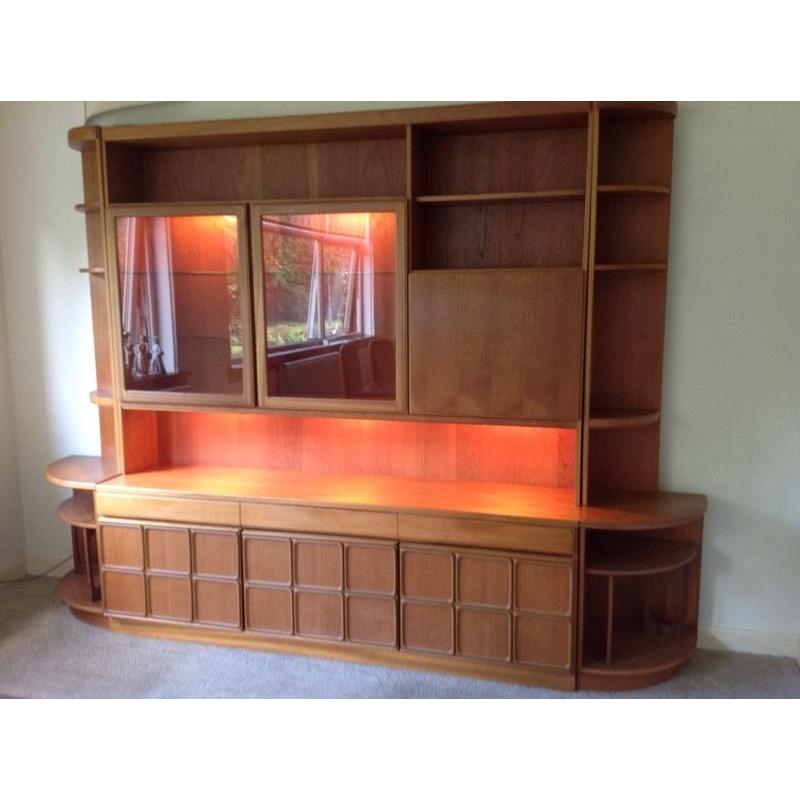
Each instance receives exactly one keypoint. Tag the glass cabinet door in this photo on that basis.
(184, 308)
(330, 305)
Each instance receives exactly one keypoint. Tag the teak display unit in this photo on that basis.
(386, 387)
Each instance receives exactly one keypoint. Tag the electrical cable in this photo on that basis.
(40, 575)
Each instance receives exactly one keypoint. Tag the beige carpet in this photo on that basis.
(45, 652)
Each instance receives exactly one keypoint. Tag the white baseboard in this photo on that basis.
(739, 640)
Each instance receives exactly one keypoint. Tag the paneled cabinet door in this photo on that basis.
(487, 605)
(320, 587)
(502, 344)
(122, 570)
(172, 573)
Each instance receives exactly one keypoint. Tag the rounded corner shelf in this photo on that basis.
(72, 592)
(623, 555)
(80, 472)
(101, 398)
(78, 511)
(602, 419)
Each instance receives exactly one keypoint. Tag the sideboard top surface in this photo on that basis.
(514, 502)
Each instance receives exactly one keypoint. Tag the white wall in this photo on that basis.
(47, 310)
(732, 373)
(732, 360)
(12, 534)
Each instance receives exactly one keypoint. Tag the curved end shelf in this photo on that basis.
(82, 138)
(78, 511)
(628, 555)
(642, 660)
(642, 510)
(72, 592)
(602, 419)
(625, 188)
(80, 472)
(101, 398)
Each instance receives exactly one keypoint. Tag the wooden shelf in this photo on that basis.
(80, 472)
(73, 591)
(629, 267)
(496, 269)
(627, 555)
(100, 398)
(83, 208)
(549, 196)
(267, 201)
(641, 653)
(633, 189)
(78, 511)
(603, 419)
(92, 271)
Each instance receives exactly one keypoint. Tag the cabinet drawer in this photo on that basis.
(274, 516)
(517, 536)
(168, 509)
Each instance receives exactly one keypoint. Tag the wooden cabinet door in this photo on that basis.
(496, 344)
(333, 588)
(122, 570)
(487, 605)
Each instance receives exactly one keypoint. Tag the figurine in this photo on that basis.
(141, 357)
(127, 352)
(156, 358)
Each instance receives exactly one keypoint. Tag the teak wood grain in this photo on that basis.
(496, 343)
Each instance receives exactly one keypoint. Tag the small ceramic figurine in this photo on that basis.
(141, 357)
(156, 358)
(127, 352)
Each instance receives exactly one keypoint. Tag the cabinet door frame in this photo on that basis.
(265, 400)
(151, 398)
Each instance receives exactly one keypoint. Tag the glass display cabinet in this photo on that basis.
(183, 307)
(330, 305)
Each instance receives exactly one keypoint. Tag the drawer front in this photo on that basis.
(168, 509)
(487, 604)
(339, 589)
(124, 593)
(464, 532)
(336, 521)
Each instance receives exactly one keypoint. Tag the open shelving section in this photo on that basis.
(453, 464)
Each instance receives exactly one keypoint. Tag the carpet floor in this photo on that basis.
(46, 653)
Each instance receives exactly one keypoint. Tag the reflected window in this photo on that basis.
(180, 303)
(330, 304)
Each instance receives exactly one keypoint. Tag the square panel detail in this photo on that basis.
(483, 581)
(544, 587)
(268, 610)
(267, 560)
(427, 574)
(168, 550)
(372, 620)
(123, 593)
(543, 641)
(122, 546)
(427, 627)
(170, 597)
(482, 633)
(217, 603)
(317, 564)
(216, 554)
(319, 615)
(370, 568)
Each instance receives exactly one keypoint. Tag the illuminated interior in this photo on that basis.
(404, 449)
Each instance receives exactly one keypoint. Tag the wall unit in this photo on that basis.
(386, 387)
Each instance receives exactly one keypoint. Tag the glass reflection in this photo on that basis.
(329, 297)
(180, 303)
